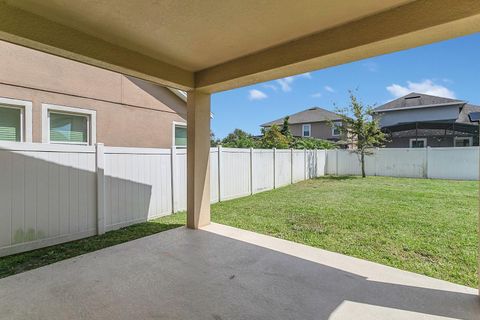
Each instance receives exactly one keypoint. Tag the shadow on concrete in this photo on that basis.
(186, 274)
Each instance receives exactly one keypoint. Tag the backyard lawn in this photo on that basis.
(423, 226)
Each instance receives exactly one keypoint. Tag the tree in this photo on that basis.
(285, 130)
(213, 140)
(312, 143)
(362, 130)
(239, 139)
(273, 138)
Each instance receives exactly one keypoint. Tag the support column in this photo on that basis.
(198, 159)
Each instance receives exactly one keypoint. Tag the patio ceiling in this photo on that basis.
(218, 45)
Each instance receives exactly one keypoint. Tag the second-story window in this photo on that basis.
(306, 130)
(336, 128)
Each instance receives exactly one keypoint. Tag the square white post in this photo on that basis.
(198, 159)
(100, 164)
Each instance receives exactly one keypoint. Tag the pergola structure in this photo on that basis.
(208, 46)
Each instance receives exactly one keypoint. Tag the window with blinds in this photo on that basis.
(68, 128)
(10, 124)
(180, 136)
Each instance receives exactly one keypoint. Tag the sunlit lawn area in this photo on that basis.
(423, 226)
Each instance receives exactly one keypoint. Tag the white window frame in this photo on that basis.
(336, 124)
(418, 139)
(91, 116)
(25, 116)
(309, 126)
(174, 124)
(470, 140)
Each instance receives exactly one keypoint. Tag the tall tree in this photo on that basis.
(285, 130)
(239, 139)
(360, 129)
(273, 138)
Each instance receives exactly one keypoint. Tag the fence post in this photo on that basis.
(219, 175)
(100, 169)
(274, 169)
(291, 165)
(305, 164)
(251, 170)
(427, 155)
(336, 162)
(173, 175)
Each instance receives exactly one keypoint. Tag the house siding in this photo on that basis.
(320, 130)
(129, 112)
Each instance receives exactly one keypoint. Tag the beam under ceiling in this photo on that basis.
(413, 24)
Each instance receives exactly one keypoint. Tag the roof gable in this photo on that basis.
(314, 114)
(416, 100)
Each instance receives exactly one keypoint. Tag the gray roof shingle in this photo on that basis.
(314, 114)
(413, 100)
(416, 100)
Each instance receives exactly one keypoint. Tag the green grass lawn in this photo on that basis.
(423, 226)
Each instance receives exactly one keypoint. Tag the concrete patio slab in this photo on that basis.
(221, 272)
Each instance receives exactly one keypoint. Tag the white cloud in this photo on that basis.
(426, 86)
(316, 95)
(307, 75)
(371, 66)
(255, 94)
(329, 89)
(285, 83)
(270, 86)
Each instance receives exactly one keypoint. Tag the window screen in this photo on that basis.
(68, 128)
(180, 136)
(10, 124)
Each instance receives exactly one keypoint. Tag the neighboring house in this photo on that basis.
(314, 122)
(420, 120)
(44, 98)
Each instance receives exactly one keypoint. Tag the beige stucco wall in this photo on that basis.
(129, 112)
(320, 130)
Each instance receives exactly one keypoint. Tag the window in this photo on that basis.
(336, 128)
(68, 128)
(463, 141)
(15, 120)
(418, 143)
(306, 130)
(179, 134)
(68, 125)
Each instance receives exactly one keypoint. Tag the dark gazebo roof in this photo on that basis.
(447, 125)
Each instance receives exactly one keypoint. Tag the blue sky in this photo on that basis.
(449, 68)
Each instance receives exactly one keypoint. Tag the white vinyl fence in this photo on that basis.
(51, 194)
(433, 163)
(56, 193)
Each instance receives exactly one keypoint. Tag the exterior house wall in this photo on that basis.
(320, 130)
(129, 112)
(422, 114)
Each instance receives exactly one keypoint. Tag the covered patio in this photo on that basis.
(204, 47)
(221, 272)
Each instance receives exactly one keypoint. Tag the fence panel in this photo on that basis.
(298, 165)
(461, 164)
(283, 168)
(409, 163)
(137, 185)
(321, 162)
(331, 162)
(262, 170)
(235, 173)
(47, 195)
